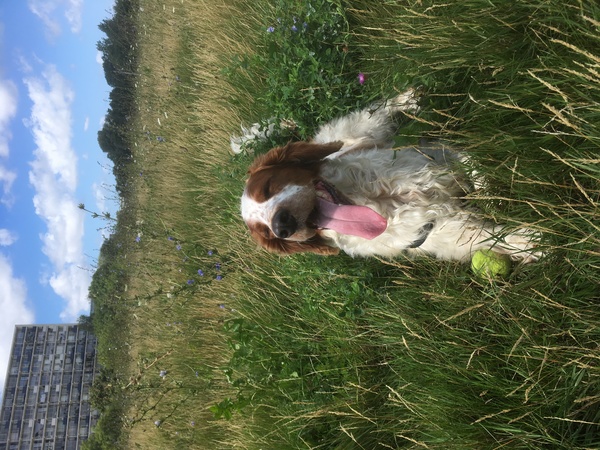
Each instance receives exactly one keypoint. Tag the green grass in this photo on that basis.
(309, 352)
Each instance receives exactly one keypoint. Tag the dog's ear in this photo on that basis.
(295, 153)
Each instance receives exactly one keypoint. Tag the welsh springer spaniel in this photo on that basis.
(349, 189)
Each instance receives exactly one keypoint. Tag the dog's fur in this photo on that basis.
(417, 190)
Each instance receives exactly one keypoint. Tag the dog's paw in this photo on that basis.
(524, 245)
(408, 102)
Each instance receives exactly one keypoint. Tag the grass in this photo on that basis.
(340, 353)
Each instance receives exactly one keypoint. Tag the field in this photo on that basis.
(209, 342)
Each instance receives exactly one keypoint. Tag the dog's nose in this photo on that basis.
(284, 224)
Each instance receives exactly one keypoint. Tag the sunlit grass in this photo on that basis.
(313, 352)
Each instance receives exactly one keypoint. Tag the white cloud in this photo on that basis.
(24, 65)
(7, 178)
(99, 195)
(53, 175)
(48, 10)
(86, 124)
(72, 284)
(50, 122)
(13, 304)
(73, 14)
(8, 110)
(99, 57)
(7, 237)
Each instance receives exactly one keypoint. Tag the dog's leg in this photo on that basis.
(407, 102)
(458, 237)
(520, 245)
(258, 132)
(372, 126)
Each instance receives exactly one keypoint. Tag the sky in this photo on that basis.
(53, 100)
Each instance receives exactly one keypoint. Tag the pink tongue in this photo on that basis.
(350, 219)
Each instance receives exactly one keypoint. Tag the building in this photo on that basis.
(45, 403)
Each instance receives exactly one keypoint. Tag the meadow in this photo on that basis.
(213, 343)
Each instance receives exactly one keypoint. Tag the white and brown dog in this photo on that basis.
(349, 189)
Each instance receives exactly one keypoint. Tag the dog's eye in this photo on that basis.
(267, 190)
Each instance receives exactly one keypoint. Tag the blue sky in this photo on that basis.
(53, 99)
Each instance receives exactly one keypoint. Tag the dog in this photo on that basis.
(348, 189)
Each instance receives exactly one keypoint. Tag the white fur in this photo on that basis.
(410, 190)
(263, 212)
(410, 187)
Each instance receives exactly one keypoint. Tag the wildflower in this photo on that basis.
(160, 139)
(218, 266)
(157, 423)
(362, 78)
(270, 29)
(178, 246)
(170, 238)
(305, 25)
(193, 423)
(138, 238)
(163, 373)
(200, 272)
(222, 306)
(294, 28)
(210, 253)
(219, 277)
(190, 282)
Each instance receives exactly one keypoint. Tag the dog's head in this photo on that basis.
(280, 200)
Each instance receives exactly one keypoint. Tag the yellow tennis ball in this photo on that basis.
(489, 264)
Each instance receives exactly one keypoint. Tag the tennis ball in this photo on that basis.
(489, 264)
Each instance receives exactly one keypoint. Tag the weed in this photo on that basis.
(314, 352)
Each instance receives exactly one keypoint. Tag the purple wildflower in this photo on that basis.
(362, 78)
(200, 272)
(270, 29)
(219, 277)
(190, 282)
